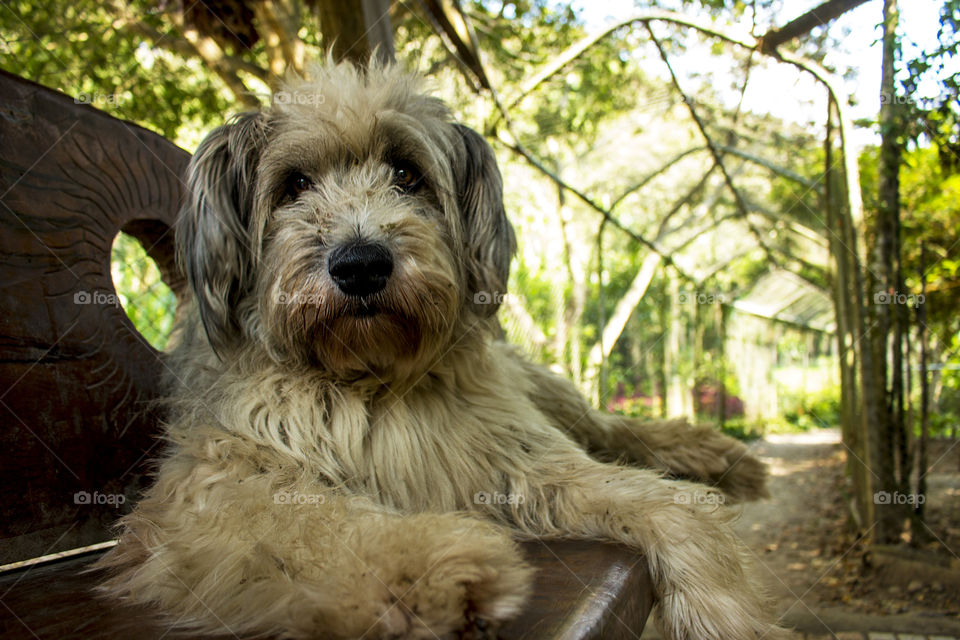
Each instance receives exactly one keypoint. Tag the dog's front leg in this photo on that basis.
(694, 452)
(701, 571)
(224, 554)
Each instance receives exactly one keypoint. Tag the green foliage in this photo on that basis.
(87, 50)
(930, 210)
(633, 366)
(818, 410)
(567, 110)
(639, 407)
(937, 118)
(800, 203)
(149, 303)
(930, 198)
(946, 418)
(743, 429)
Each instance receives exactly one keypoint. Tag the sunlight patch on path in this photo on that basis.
(820, 436)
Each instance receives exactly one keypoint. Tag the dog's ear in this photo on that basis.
(488, 235)
(213, 235)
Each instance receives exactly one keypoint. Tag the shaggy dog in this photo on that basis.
(352, 452)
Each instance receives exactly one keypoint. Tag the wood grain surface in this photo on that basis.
(584, 590)
(75, 376)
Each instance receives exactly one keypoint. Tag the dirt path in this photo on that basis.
(825, 585)
(791, 533)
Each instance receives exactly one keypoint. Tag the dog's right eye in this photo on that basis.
(296, 184)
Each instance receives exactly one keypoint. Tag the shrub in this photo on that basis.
(813, 410)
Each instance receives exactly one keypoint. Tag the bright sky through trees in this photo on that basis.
(788, 94)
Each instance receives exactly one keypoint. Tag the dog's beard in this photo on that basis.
(375, 341)
(402, 328)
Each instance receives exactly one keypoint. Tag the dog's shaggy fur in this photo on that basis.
(343, 410)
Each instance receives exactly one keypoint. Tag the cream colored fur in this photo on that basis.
(325, 461)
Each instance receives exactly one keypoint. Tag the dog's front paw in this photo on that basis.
(745, 479)
(707, 455)
(455, 575)
(708, 587)
(715, 616)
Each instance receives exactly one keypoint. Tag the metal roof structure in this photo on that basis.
(786, 297)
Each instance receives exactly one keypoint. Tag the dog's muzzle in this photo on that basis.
(360, 269)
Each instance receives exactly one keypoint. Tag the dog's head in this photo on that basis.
(352, 226)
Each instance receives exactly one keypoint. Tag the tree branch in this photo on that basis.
(625, 306)
(215, 58)
(778, 170)
(611, 330)
(646, 179)
(453, 27)
(851, 172)
(812, 19)
(523, 322)
(578, 48)
(519, 149)
(185, 49)
(717, 157)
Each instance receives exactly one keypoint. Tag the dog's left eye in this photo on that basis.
(296, 184)
(406, 177)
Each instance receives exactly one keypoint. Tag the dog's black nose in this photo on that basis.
(360, 269)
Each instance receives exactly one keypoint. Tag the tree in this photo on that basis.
(180, 66)
(883, 381)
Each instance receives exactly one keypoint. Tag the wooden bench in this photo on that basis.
(76, 381)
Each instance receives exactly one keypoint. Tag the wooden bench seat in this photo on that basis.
(583, 590)
(77, 379)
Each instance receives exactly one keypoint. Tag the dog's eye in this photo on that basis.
(406, 177)
(296, 184)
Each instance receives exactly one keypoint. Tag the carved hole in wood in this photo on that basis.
(147, 278)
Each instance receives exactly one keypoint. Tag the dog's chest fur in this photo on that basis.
(432, 446)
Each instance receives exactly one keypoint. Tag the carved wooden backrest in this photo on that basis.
(76, 378)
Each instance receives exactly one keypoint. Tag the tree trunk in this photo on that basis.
(720, 348)
(847, 295)
(917, 526)
(882, 381)
(678, 396)
(601, 376)
(353, 30)
(278, 22)
(698, 349)
(621, 314)
(570, 307)
(662, 350)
